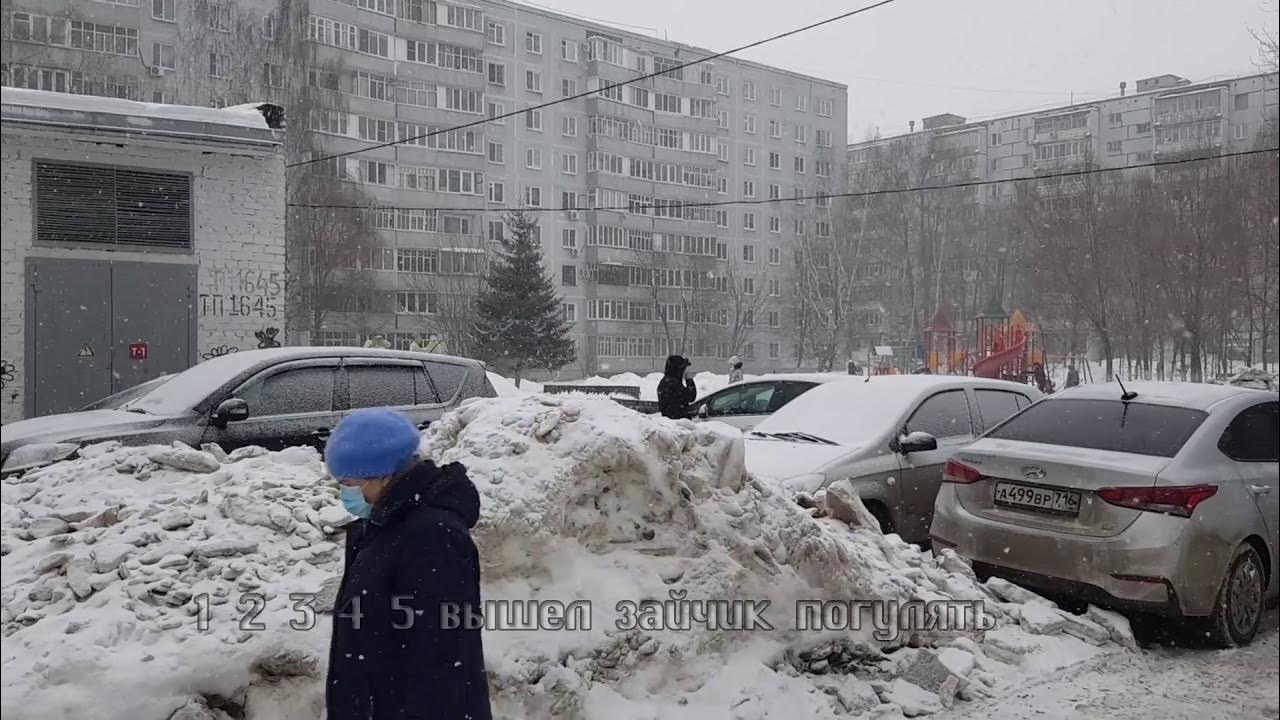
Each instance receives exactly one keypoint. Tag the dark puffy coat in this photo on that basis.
(411, 557)
(675, 393)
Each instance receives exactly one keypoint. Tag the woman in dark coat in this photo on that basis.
(411, 569)
(676, 390)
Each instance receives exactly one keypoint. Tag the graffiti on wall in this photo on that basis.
(7, 370)
(242, 292)
(219, 351)
(267, 337)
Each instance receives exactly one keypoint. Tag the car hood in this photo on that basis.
(73, 426)
(784, 459)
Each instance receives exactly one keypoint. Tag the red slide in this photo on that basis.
(989, 367)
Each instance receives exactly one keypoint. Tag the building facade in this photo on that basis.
(611, 176)
(137, 239)
(970, 228)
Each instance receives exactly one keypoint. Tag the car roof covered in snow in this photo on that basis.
(256, 123)
(799, 377)
(1199, 396)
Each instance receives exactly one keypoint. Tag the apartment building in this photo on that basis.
(622, 181)
(1167, 118)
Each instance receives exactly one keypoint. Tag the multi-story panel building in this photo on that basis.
(623, 181)
(1167, 119)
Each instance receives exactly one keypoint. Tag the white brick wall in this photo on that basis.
(239, 215)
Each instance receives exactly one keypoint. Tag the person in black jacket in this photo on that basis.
(676, 390)
(411, 569)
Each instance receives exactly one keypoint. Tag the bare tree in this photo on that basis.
(747, 299)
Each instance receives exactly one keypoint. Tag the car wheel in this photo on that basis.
(1237, 613)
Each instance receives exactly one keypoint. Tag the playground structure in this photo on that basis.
(1005, 348)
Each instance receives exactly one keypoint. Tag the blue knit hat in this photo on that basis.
(371, 443)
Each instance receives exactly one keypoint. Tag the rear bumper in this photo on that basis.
(1159, 564)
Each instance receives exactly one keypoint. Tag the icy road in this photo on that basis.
(1172, 682)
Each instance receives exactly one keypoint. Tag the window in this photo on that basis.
(722, 85)
(748, 253)
(569, 312)
(996, 405)
(775, 256)
(533, 43)
(944, 415)
(464, 18)
(823, 138)
(799, 165)
(162, 55)
(415, 303)
(1132, 427)
(775, 289)
(496, 231)
(220, 16)
(533, 158)
(1144, 128)
(748, 90)
(376, 130)
(100, 205)
(1241, 101)
(666, 102)
(163, 10)
(753, 399)
(496, 110)
(533, 196)
(272, 75)
(1116, 118)
(533, 120)
(533, 81)
(388, 385)
(569, 275)
(269, 27)
(1254, 435)
(775, 97)
(775, 191)
(111, 39)
(801, 133)
(1240, 131)
(497, 73)
(722, 152)
(749, 123)
(1113, 146)
(300, 390)
(798, 226)
(749, 156)
(825, 107)
(802, 103)
(569, 126)
(497, 192)
(569, 238)
(496, 34)
(775, 161)
(373, 43)
(748, 188)
(219, 65)
(569, 51)
(722, 218)
(467, 101)
(568, 87)
(494, 151)
(569, 163)
(748, 221)
(748, 286)
(37, 78)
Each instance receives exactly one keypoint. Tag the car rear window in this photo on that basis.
(1133, 427)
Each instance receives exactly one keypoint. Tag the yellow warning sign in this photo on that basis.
(86, 351)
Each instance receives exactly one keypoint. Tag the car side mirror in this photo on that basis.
(229, 411)
(703, 412)
(916, 442)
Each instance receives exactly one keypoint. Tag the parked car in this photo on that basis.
(745, 404)
(273, 398)
(115, 400)
(1159, 499)
(889, 435)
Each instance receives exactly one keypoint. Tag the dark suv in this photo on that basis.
(272, 398)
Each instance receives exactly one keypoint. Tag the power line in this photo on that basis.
(610, 86)
(770, 201)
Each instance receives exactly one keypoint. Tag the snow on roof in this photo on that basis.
(240, 116)
(1200, 396)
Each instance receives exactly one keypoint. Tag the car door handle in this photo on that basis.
(1260, 489)
(322, 433)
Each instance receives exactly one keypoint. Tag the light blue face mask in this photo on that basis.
(353, 500)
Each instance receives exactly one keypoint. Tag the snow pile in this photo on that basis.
(107, 559)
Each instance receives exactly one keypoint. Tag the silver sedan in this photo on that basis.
(1159, 497)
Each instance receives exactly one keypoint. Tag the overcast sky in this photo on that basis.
(975, 58)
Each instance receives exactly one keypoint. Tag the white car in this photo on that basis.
(745, 404)
(888, 435)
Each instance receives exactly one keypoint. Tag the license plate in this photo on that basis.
(1047, 500)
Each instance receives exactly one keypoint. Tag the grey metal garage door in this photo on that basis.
(95, 327)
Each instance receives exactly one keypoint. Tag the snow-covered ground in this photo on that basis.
(127, 575)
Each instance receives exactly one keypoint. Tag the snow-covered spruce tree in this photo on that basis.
(521, 324)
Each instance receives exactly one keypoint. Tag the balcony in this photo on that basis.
(1062, 164)
(1180, 117)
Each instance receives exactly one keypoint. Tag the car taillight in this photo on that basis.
(1180, 500)
(958, 472)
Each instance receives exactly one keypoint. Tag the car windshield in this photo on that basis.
(112, 402)
(1113, 425)
(187, 389)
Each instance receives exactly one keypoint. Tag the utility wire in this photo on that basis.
(597, 91)
(769, 201)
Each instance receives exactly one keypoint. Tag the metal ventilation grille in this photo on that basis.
(104, 205)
